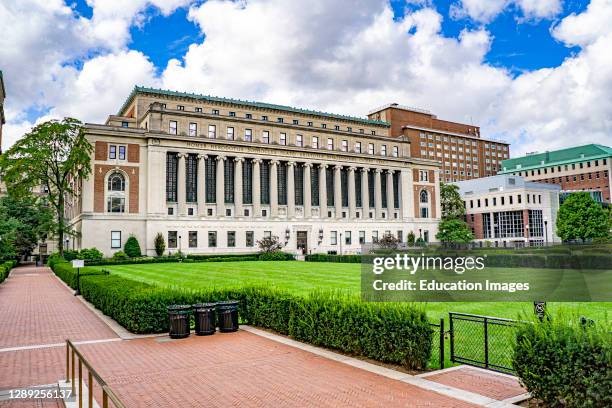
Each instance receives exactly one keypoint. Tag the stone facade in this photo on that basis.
(215, 175)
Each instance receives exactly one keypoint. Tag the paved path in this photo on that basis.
(37, 313)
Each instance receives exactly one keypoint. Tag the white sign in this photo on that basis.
(78, 263)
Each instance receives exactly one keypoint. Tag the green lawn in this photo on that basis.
(302, 277)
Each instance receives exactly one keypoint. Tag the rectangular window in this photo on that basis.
(248, 135)
(212, 132)
(314, 191)
(181, 107)
(423, 175)
(212, 239)
(192, 178)
(395, 151)
(265, 137)
(193, 129)
(248, 115)
(315, 142)
(299, 140)
(173, 127)
(211, 179)
(215, 111)
(333, 237)
(264, 180)
(247, 182)
(230, 133)
(228, 182)
(250, 239)
(121, 152)
(330, 143)
(172, 239)
(116, 204)
(374, 236)
(357, 147)
(193, 239)
(280, 120)
(112, 152)
(231, 239)
(362, 237)
(171, 176)
(198, 109)
(282, 139)
(282, 183)
(383, 150)
(267, 234)
(115, 239)
(264, 118)
(125, 124)
(345, 145)
(370, 148)
(232, 114)
(296, 122)
(347, 238)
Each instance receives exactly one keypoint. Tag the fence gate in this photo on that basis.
(482, 341)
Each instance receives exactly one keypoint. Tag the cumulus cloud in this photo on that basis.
(485, 11)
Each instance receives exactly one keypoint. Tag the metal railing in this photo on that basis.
(437, 344)
(72, 365)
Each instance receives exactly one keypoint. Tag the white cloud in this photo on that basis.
(588, 27)
(485, 11)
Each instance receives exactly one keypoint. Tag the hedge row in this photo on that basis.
(5, 269)
(68, 274)
(333, 258)
(187, 259)
(392, 333)
(564, 364)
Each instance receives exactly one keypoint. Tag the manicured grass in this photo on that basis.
(302, 277)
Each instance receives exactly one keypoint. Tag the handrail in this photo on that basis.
(107, 393)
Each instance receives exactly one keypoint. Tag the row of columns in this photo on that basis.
(238, 204)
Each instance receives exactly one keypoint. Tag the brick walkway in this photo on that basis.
(496, 386)
(237, 369)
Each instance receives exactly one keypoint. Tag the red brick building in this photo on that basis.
(463, 154)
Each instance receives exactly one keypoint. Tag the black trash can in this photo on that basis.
(205, 319)
(227, 315)
(179, 321)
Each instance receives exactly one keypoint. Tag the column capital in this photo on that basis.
(377, 170)
(257, 160)
(291, 163)
(275, 162)
(338, 167)
(221, 158)
(181, 155)
(364, 169)
(352, 168)
(202, 156)
(323, 165)
(390, 171)
(238, 159)
(308, 164)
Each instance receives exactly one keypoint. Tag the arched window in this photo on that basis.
(424, 197)
(115, 193)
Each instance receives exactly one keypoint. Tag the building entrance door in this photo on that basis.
(302, 241)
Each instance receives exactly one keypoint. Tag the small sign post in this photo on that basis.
(540, 309)
(78, 264)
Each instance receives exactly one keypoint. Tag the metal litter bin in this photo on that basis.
(179, 321)
(205, 318)
(227, 315)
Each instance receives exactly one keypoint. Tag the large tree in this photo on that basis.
(580, 217)
(33, 220)
(454, 231)
(54, 155)
(451, 202)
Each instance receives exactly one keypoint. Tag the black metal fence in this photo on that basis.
(437, 345)
(482, 341)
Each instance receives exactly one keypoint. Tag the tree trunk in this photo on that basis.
(60, 223)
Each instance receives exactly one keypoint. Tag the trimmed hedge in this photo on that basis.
(564, 364)
(188, 258)
(5, 269)
(393, 333)
(68, 274)
(333, 258)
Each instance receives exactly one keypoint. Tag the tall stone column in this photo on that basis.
(181, 184)
(291, 189)
(378, 193)
(307, 191)
(323, 190)
(390, 195)
(351, 193)
(238, 186)
(365, 194)
(256, 188)
(274, 188)
(407, 195)
(220, 190)
(436, 198)
(202, 184)
(338, 190)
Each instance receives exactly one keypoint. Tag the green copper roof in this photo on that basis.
(556, 157)
(252, 104)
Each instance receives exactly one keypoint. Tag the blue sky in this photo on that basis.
(536, 73)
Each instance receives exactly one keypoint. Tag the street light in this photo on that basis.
(340, 243)
(546, 231)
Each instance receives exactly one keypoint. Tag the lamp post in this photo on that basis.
(340, 243)
(546, 231)
(180, 247)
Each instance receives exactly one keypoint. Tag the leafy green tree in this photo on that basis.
(160, 244)
(450, 201)
(454, 231)
(8, 232)
(132, 247)
(388, 241)
(580, 217)
(269, 244)
(410, 238)
(55, 155)
(34, 220)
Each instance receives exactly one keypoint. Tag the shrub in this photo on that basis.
(410, 238)
(132, 247)
(275, 256)
(160, 244)
(5, 269)
(53, 259)
(91, 254)
(68, 274)
(333, 258)
(564, 363)
(269, 244)
(70, 254)
(394, 333)
(120, 255)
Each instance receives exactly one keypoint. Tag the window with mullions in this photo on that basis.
(344, 186)
(508, 224)
(228, 181)
(299, 184)
(171, 176)
(396, 199)
(314, 191)
(486, 225)
(371, 197)
(211, 179)
(192, 178)
(358, 198)
(247, 182)
(383, 190)
(536, 226)
(282, 183)
(264, 179)
(193, 239)
(329, 180)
